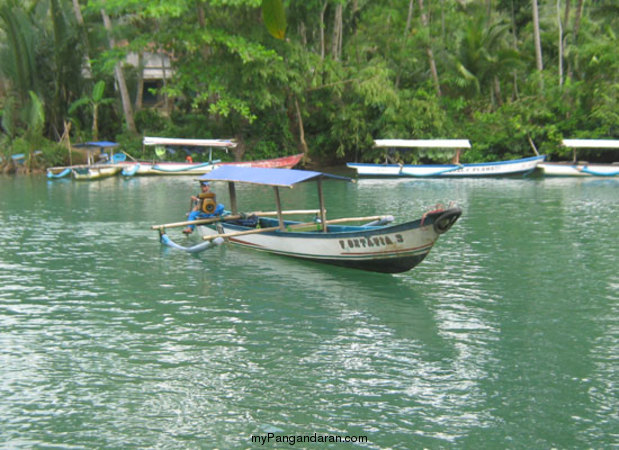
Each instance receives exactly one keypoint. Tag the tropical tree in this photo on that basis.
(485, 58)
(93, 102)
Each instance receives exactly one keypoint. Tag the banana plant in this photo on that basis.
(93, 101)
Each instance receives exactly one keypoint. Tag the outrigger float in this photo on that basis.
(377, 245)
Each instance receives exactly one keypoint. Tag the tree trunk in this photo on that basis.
(515, 43)
(429, 52)
(80, 20)
(95, 122)
(336, 45)
(409, 17)
(164, 72)
(322, 31)
(581, 4)
(538, 44)
(301, 129)
(497, 91)
(120, 78)
(407, 28)
(577, 18)
(560, 42)
(201, 15)
(139, 92)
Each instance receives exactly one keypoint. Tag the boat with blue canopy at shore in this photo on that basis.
(373, 244)
(456, 169)
(101, 162)
(577, 168)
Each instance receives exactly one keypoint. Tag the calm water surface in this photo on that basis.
(506, 336)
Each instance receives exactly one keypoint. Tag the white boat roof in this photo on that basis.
(591, 143)
(148, 140)
(428, 143)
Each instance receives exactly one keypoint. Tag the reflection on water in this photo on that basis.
(504, 336)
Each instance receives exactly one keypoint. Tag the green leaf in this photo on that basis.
(97, 91)
(274, 17)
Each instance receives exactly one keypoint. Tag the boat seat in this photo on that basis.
(119, 157)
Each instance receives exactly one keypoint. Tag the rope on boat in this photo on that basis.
(165, 240)
(62, 174)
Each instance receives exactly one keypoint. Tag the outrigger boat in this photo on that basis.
(105, 167)
(377, 245)
(577, 168)
(131, 168)
(115, 163)
(488, 169)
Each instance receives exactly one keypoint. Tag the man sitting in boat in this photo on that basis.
(204, 206)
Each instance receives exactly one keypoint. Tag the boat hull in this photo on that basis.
(387, 249)
(94, 172)
(492, 169)
(579, 170)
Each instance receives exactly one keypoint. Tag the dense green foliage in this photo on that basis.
(345, 73)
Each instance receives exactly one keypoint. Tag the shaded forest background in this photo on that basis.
(325, 78)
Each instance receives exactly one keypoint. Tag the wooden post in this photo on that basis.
(232, 192)
(323, 212)
(278, 203)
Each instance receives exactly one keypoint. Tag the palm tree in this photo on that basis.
(484, 56)
(18, 58)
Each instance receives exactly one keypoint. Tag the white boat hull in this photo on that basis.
(579, 170)
(493, 169)
(389, 249)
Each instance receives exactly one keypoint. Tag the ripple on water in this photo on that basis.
(507, 328)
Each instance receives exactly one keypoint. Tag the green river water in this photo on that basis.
(506, 336)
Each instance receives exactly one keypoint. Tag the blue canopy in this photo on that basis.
(264, 176)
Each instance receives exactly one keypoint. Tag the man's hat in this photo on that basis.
(205, 183)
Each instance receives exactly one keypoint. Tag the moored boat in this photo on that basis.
(94, 172)
(577, 168)
(375, 245)
(488, 169)
(110, 164)
(131, 168)
(100, 163)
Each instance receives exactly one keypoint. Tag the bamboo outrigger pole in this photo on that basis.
(232, 217)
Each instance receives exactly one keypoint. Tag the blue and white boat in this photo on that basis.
(456, 169)
(375, 245)
(577, 168)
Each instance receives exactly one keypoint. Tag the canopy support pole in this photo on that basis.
(278, 203)
(232, 192)
(323, 212)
